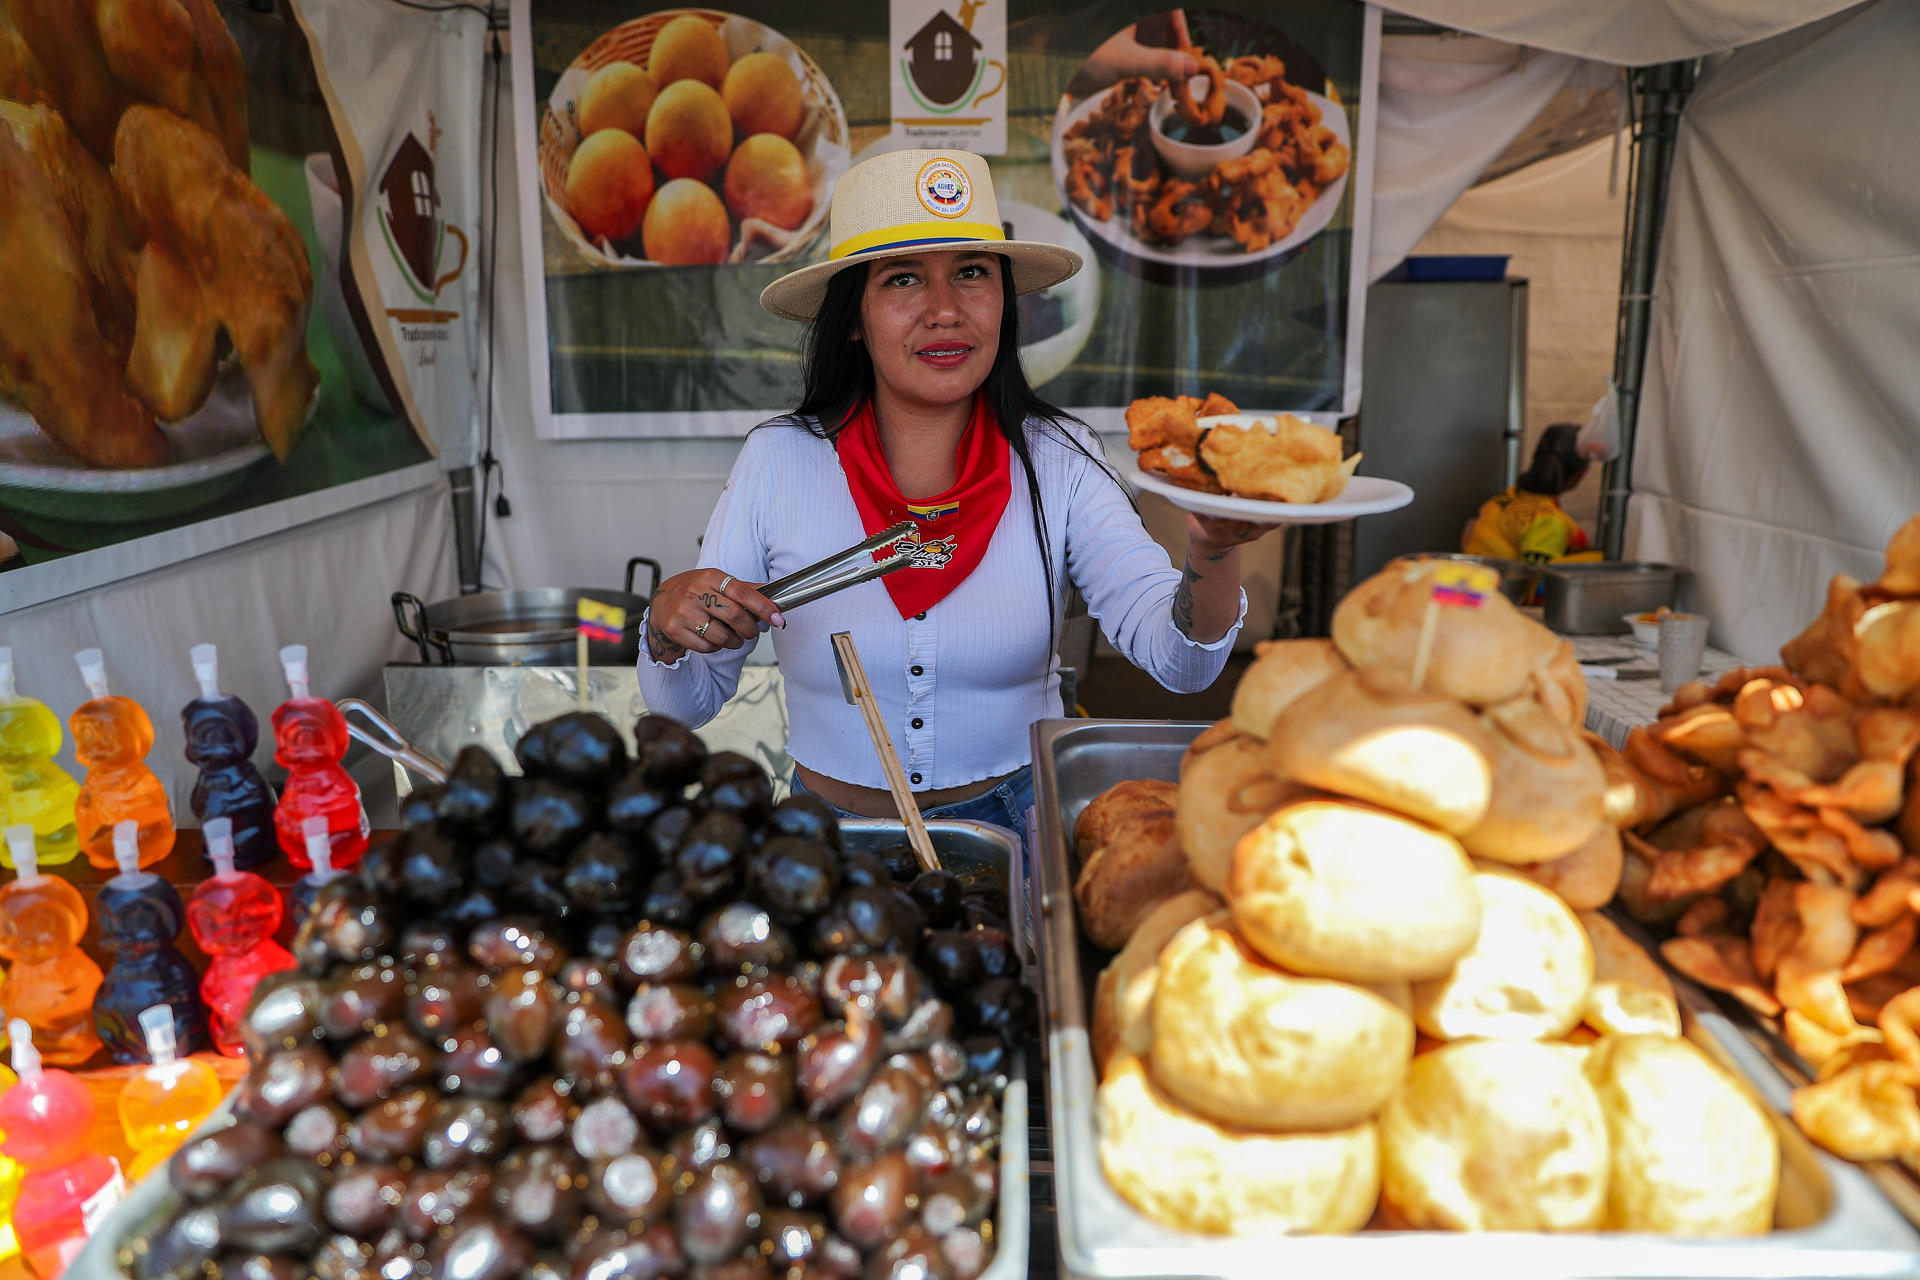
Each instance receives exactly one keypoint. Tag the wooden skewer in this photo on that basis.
(853, 682)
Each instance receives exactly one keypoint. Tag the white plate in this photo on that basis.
(1204, 251)
(1363, 496)
(210, 450)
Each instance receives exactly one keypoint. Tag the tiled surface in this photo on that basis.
(1616, 706)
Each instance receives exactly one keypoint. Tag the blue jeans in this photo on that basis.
(1005, 805)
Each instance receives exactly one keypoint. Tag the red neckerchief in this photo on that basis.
(953, 528)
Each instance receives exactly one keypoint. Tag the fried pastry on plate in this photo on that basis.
(1281, 459)
(1158, 421)
(1182, 466)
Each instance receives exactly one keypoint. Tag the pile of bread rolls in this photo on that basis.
(1360, 978)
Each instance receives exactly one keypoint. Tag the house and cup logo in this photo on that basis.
(416, 234)
(950, 74)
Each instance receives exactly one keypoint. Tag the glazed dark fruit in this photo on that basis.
(209, 1165)
(767, 1012)
(902, 864)
(670, 1084)
(741, 937)
(483, 1067)
(711, 854)
(793, 876)
(753, 1090)
(583, 749)
(669, 754)
(420, 807)
(634, 802)
(716, 1212)
(939, 894)
(475, 795)
(808, 817)
(549, 817)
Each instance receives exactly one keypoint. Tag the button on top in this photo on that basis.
(915, 670)
(918, 723)
(919, 617)
(916, 779)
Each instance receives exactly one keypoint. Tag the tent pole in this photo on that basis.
(1662, 91)
(465, 541)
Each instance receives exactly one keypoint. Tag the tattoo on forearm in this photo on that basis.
(1183, 599)
(662, 646)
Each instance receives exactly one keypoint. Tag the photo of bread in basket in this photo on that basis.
(691, 137)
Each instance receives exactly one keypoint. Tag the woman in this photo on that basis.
(915, 407)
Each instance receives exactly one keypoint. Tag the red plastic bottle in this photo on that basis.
(312, 738)
(233, 917)
(48, 1122)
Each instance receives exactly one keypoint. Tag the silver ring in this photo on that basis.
(701, 630)
(724, 582)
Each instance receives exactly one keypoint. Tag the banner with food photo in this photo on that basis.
(1211, 164)
(191, 224)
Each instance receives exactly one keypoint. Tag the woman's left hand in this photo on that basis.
(1215, 534)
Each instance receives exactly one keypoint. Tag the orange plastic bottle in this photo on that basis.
(33, 789)
(112, 737)
(52, 981)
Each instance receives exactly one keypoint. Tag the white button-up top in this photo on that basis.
(960, 684)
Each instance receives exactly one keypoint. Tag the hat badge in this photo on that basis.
(943, 188)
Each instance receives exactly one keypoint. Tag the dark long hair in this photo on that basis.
(1557, 465)
(839, 379)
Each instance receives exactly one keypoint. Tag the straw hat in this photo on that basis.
(906, 202)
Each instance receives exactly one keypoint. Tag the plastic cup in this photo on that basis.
(1683, 645)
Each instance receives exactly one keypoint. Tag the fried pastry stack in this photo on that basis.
(1209, 445)
(1367, 1000)
(1775, 827)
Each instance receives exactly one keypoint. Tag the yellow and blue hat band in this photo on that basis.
(910, 235)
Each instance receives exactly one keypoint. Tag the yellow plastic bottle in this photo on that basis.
(33, 789)
(10, 1175)
(167, 1100)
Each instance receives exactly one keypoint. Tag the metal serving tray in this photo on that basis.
(964, 847)
(1831, 1219)
(1581, 599)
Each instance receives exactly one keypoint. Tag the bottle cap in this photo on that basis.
(319, 846)
(26, 858)
(93, 670)
(206, 669)
(219, 834)
(126, 846)
(157, 1024)
(6, 671)
(26, 1058)
(293, 659)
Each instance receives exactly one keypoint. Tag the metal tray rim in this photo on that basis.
(1862, 1235)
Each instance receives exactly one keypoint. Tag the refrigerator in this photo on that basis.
(1442, 408)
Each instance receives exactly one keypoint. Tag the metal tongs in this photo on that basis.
(845, 569)
(386, 738)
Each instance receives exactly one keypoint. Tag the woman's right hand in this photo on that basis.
(705, 611)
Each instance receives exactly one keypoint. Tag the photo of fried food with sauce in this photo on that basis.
(1210, 446)
(1228, 161)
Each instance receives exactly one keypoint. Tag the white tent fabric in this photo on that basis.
(1631, 33)
(1448, 108)
(1778, 442)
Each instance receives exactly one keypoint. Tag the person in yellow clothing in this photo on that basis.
(1525, 522)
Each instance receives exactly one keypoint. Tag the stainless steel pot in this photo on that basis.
(520, 628)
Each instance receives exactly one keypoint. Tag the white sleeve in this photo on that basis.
(693, 689)
(1128, 581)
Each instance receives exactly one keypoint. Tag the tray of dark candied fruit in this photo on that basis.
(620, 1017)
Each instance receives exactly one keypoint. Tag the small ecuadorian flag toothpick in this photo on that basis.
(597, 622)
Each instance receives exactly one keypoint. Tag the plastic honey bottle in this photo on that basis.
(221, 735)
(33, 789)
(320, 853)
(52, 982)
(140, 917)
(233, 917)
(112, 736)
(168, 1099)
(48, 1121)
(311, 739)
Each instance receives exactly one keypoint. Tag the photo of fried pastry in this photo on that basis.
(1241, 160)
(150, 275)
(1209, 446)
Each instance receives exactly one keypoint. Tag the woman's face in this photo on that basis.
(932, 325)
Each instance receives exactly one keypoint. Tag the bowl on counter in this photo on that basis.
(1645, 628)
